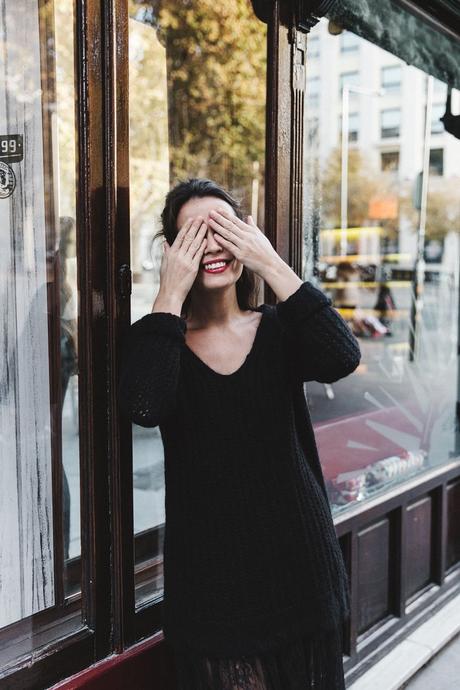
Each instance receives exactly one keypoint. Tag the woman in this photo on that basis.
(255, 588)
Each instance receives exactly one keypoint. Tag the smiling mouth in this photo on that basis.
(216, 266)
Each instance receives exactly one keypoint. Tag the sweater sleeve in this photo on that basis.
(319, 343)
(150, 367)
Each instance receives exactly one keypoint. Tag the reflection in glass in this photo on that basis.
(349, 42)
(197, 109)
(392, 271)
(391, 77)
(390, 120)
(39, 449)
(437, 112)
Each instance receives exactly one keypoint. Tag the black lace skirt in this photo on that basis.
(314, 663)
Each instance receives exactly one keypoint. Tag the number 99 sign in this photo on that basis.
(11, 148)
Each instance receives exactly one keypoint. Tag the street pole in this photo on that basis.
(344, 181)
(419, 264)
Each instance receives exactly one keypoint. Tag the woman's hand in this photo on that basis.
(181, 261)
(245, 241)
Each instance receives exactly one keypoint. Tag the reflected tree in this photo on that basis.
(216, 67)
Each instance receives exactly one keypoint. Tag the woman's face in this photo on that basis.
(213, 250)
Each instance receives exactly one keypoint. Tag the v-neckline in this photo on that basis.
(254, 346)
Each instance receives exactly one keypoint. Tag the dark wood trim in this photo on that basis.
(439, 533)
(399, 539)
(132, 668)
(286, 59)
(92, 283)
(55, 663)
(441, 15)
(278, 135)
(129, 627)
(131, 622)
(353, 627)
(49, 637)
(405, 613)
(298, 79)
(384, 637)
(41, 631)
(116, 161)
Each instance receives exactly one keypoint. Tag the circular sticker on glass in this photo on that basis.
(7, 180)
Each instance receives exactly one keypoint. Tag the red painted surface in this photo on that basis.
(146, 666)
(351, 443)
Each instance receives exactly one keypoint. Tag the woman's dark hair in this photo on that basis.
(246, 285)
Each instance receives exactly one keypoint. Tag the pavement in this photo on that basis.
(442, 672)
(427, 658)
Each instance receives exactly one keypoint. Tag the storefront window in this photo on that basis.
(437, 161)
(348, 79)
(349, 43)
(390, 161)
(313, 90)
(314, 47)
(197, 109)
(386, 249)
(353, 126)
(391, 78)
(39, 434)
(390, 120)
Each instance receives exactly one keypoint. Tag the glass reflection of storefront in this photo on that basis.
(384, 190)
(39, 428)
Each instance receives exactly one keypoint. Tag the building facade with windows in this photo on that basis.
(327, 129)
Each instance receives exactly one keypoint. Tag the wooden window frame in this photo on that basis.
(58, 650)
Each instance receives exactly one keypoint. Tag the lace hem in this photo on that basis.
(310, 662)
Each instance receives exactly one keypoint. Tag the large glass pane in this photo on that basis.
(39, 455)
(197, 109)
(385, 247)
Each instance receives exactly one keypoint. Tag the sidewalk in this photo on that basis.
(441, 672)
(427, 659)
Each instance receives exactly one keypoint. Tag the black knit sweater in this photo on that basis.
(251, 558)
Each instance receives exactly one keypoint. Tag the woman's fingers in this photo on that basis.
(231, 233)
(226, 221)
(228, 244)
(192, 232)
(182, 232)
(199, 253)
(197, 241)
